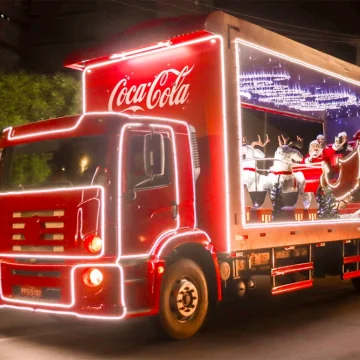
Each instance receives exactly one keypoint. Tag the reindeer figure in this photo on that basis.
(282, 166)
(253, 180)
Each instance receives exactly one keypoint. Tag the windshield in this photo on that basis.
(53, 163)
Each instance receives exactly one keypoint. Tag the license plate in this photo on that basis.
(30, 292)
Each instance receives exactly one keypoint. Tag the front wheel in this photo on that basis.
(184, 299)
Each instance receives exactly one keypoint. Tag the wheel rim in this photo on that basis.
(184, 299)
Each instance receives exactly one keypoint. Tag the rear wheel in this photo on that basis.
(184, 299)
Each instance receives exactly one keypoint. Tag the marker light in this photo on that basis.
(93, 277)
(94, 244)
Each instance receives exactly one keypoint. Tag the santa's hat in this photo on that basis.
(320, 137)
(356, 136)
(341, 134)
(314, 142)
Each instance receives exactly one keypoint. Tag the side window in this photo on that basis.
(136, 176)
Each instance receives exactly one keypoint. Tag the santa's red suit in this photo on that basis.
(315, 154)
(308, 159)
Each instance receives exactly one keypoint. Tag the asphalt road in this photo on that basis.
(322, 323)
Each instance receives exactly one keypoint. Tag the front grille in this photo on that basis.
(42, 213)
(44, 225)
(26, 248)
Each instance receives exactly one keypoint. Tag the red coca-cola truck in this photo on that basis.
(210, 150)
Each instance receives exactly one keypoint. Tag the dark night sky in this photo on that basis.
(335, 16)
(60, 27)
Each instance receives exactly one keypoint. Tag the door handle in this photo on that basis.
(175, 210)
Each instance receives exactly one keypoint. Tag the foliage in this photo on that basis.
(328, 206)
(276, 199)
(27, 97)
(28, 169)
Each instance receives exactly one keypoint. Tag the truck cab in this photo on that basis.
(88, 205)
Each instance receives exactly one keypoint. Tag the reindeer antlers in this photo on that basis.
(298, 143)
(260, 143)
(285, 141)
(282, 140)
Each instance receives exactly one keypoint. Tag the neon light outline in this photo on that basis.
(135, 117)
(193, 174)
(73, 292)
(120, 171)
(196, 232)
(141, 50)
(49, 256)
(288, 223)
(145, 53)
(296, 61)
(344, 161)
(224, 115)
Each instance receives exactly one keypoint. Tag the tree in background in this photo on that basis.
(27, 97)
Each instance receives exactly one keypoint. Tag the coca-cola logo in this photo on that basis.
(167, 88)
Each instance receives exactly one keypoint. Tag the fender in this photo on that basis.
(184, 236)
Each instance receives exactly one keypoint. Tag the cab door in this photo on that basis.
(149, 203)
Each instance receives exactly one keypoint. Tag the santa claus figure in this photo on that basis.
(252, 179)
(315, 154)
(341, 145)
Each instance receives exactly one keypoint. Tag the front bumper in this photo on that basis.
(59, 288)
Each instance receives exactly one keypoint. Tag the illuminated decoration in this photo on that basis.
(187, 233)
(348, 181)
(280, 224)
(151, 50)
(261, 81)
(295, 61)
(120, 185)
(142, 50)
(313, 102)
(73, 283)
(327, 204)
(270, 89)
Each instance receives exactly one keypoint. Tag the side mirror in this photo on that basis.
(154, 154)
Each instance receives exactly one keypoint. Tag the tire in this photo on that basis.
(184, 300)
(356, 283)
